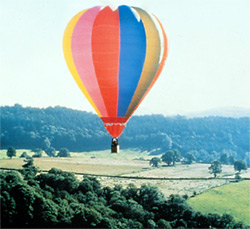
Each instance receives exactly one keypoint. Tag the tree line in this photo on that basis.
(173, 156)
(63, 152)
(55, 128)
(57, 199)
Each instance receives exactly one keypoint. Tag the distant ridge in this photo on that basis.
(58, 127)
(234, 112)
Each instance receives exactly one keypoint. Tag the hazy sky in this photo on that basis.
(208, 64)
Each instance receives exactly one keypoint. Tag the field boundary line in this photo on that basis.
(141, 178)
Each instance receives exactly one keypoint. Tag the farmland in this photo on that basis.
(131, 164)
(134, 165)
(233, 199)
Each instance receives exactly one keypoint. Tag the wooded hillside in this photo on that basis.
(59, 127)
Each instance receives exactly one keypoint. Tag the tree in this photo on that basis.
(64, 152)
(151, 224)
(247, 158)
(215, 168)
(162, 223)
(190, 157)
(37, 153)
(24, 154)
(154, 162)
(224, 158)
(51, 151)
(166, 143)
(29, 170)
(231, 160)
(177, 156)
(46, 143)
(11, 152)
(29, 162)
(168, 157)
(240, 165)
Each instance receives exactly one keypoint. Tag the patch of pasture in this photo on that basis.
(167, 187)
(233, 198)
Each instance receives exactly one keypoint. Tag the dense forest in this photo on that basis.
(58, 127)
(57, 199)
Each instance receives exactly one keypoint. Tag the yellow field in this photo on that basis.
(81, 165)
(100, 162)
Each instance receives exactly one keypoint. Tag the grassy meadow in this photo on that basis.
(233, 198)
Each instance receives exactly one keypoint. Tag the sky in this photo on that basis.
(208, 64)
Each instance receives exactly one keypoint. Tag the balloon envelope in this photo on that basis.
(115, 57)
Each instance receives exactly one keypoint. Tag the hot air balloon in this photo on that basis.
(115, 57)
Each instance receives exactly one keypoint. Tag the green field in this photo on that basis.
(233, 199)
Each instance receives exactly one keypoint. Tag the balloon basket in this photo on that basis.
(115, 149)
